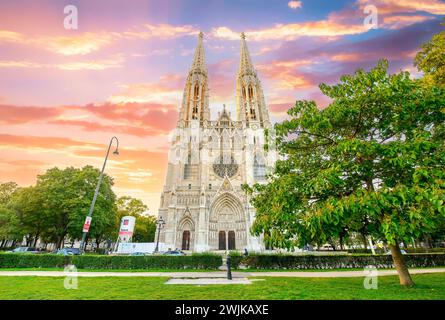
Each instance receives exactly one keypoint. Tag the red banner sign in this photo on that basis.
(86, 225)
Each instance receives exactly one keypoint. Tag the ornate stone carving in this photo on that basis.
(223, 169)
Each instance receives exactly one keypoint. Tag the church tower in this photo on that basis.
(250, 104)
(195, 101)
(202, 203)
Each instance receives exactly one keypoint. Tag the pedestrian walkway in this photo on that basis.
(218, 274)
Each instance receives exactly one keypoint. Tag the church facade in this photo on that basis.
(202, 203)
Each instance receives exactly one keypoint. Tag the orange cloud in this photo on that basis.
(348, 21)
(77, 44)
(20, 64)
(103, 64)
(286, 73)
(294, 4)
(88, 42)
(136, 171)
(401, 21)
(167, 90)
(162, 30)
(331, 27)
(100, 64)
(134, 119)
(341, 57)
(10, 36)
(10, 114)
(34, 142)
(436, 7)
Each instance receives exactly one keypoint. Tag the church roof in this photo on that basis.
(224, 115)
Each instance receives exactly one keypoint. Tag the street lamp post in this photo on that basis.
(90, 213)
(160, 223)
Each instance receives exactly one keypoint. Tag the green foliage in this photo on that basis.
(57, 206)
(195, 261)
(283, 261)
(9, 224)
(431, 60)
(67, 196)
(7, 189)
(269, 288)
(30, 220)
(371, 162)
(29, 260)
(145, 227)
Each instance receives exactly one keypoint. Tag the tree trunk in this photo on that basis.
(97, 244)
(36, 239)
(365, 242)
(401, 267)
(60, 242)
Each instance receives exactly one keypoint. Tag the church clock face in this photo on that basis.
(225, 168)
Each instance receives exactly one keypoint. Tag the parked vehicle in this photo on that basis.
(68, 251)
(137, 254)
(24, 250)
(174, 253)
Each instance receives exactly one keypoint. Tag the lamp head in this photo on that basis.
(116, 152)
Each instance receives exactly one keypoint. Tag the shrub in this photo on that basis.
(283, 261)
(29, 260)
(195, 261)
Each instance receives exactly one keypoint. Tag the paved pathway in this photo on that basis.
(301, 274)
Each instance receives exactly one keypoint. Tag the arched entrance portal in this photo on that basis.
(186, 240)
(222, 240)
(231, 241)
(227, 224)
(185, 235)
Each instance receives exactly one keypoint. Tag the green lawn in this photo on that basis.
(203, 270)
(428, 286)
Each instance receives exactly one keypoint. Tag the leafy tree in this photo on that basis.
(105, 210)
(372, 161)
(431, 59)
(145, 227)
(67, 195)
(30, 216)
(130, 206)
(9, 223)
(7, 189)
(9, 226)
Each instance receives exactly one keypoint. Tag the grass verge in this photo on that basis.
(428, 286)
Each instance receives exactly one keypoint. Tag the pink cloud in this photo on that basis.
(10, 114)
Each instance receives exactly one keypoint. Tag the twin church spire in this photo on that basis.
(250, 107)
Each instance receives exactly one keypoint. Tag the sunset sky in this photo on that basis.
(65, 93)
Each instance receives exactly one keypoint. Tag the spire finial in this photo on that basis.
(245, 61)
(199, 58)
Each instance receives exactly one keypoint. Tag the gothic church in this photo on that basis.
(202, 204)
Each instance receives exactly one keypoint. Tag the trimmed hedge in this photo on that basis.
(283, 261)
(195, 261)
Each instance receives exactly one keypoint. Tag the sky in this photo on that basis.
(65, 92)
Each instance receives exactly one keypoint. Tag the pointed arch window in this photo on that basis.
(259, 167)
(250, 92)
(195, 101)
(196, 92)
